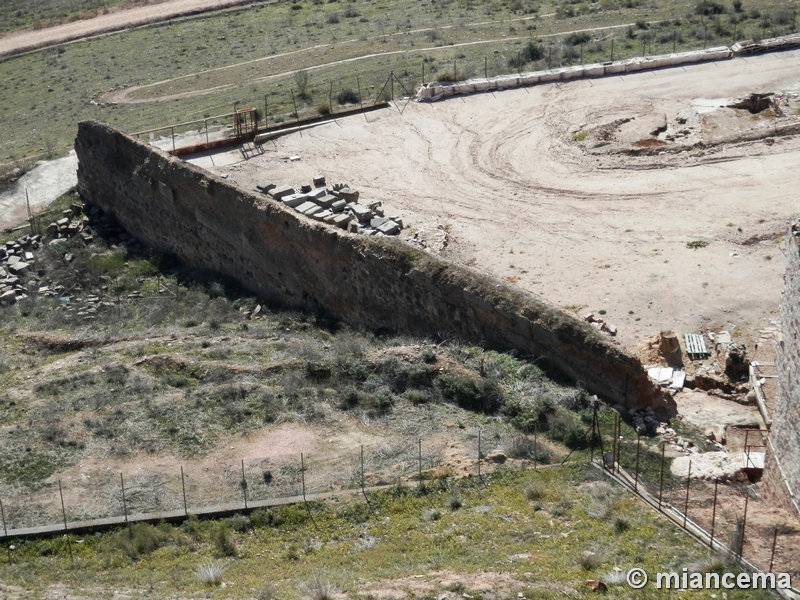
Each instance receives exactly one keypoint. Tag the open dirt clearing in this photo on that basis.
(28, 39)
(517, 197)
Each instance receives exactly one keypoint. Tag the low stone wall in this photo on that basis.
(782, 469)
(376, 283)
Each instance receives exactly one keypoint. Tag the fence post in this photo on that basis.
(360, 99)
(686, 502)
(391, 85)
(173, 138)
(744, 525)
(636, 473)
(296, 114)
(479, 454)
(183, 487)
(419, 444)
(536, 446)
(485, 68)
(714, 514)
(244, 486)
(8, 548)
(64, 514)
(772, 554)
(330, 98)
(363, 490)
(125, 506)
(612, 59)
(661, 477)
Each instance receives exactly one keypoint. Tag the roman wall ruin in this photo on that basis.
(368, 282)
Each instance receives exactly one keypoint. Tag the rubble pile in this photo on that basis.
(600, 324)
(16, 268)
(337, 206)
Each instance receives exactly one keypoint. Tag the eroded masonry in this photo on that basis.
(370, 282)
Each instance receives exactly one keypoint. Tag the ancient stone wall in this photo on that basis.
(367, 282)
(782, 472)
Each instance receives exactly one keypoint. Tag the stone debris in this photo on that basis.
(339, 206)
(599, 324)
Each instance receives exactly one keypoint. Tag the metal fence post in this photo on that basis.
(64, 514)
(686, 502)
(244, 486)
(183, 487)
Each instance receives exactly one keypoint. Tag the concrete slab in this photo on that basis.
(294, 200)
(313, 210)
(327, 201)
(377, 221)
(323, 214)
(317, 194)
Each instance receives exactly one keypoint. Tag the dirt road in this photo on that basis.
(19, 41)
(525, 202)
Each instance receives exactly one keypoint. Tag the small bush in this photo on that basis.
(432, 514)
(210, 573)
(332, 18)
(428, 356)
(482, 395)
(455, 502)
(533, 52)
(318, 588)
(348, 96)
(323, 108)
(621, 525)
(221, 539)
(696, 244)
(590, 560)
(139, 540)
(580, 136)
(240, 523)
(534, 491)
(417, 397)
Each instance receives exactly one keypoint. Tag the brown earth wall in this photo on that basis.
(374, 283)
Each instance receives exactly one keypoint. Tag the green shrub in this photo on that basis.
(221, 540)
(482, 395)
(348, 96)
(532, 52)
(138, 540)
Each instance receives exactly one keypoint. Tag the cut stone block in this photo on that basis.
(62, 222)
(319, 180)
(8, 297)
(305, 188)
(317, 194)
(294, 200)
(377, 221)
(389, 228)
(323, 214)
(13, 259)
(265, 187)
(338, 206)
(329, 219)
(362, 213)
(348, 194)
(353, 227)
(280, 192)
(18, 268)
(302, 208)
(312, 211)
(327, 201)
(342, 221)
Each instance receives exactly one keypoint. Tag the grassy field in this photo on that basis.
(244, 56)
(533, 534)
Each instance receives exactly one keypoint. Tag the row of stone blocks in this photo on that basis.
(337, 206)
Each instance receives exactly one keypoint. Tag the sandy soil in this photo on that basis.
(522, 201)
(29, 39)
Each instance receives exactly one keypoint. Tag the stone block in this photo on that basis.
(313, 210)
(362, 213)
(13, 259)
(389, 228)
(323, 214)
(317, 194)
(377, 221)
(330, 218)
(8, 297)
(280, 192)
(305, 188)
(302, 208)
(294, 200)
(62, 222)
(29, 256)
(326, 201)
(319, 180)
(342, 221)
(338, 206)
(348, 194)
(265, 187)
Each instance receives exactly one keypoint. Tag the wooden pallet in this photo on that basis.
(695, 344)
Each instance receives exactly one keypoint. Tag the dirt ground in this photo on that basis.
(28, 39)
(518, 198)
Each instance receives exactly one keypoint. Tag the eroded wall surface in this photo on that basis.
(367, 282)
(782, 472)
